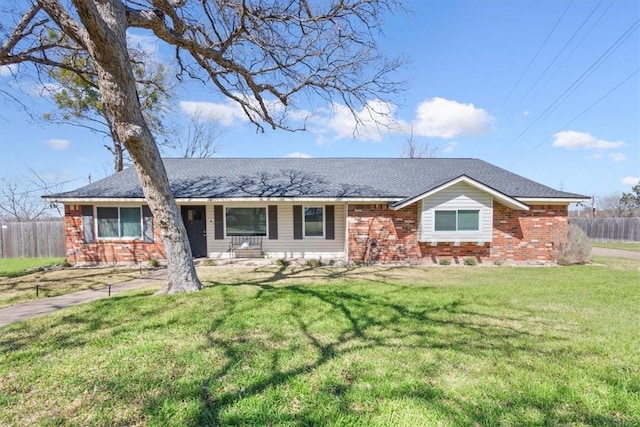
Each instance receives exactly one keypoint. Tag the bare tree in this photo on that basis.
(413, 150)
(20, 199)
(262, 54)
(200, 139)
(611, 207)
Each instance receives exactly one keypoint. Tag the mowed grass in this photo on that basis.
(375, 346)
(627, 246)
(21, 288)
(10, 267)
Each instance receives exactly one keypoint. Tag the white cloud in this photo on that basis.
(298, 155)
(618, 157)
(376, 119)
(229, 112)
(436, 117)
(8, 70)
(145, 43)
(58, 144)
(572, 140)
(630, 180)
(451, 145)
(226, 114)
(445, 118)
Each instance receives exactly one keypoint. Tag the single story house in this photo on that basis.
(358, 209)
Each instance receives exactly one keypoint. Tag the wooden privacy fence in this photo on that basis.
(32, 239)
(610, 229)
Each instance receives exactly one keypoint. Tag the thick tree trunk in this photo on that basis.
(105, 23)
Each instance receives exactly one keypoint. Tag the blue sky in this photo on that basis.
(549, 89)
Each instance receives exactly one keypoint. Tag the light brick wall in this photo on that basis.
(517, 235)
(106, 251)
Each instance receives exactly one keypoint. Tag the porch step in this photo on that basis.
(248, 253)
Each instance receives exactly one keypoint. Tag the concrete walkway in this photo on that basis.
(38, 307)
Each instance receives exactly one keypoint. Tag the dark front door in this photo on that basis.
(196, 225)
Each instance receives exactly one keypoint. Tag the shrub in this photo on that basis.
(444, 261)
(470, 261)
(154, 263)
(313, 263)
(282, 262)
(576, 249)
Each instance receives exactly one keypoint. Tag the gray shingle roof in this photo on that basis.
(393, 179)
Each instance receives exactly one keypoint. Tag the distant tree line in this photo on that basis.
(613, 206)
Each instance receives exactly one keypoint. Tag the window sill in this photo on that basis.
(119, 239)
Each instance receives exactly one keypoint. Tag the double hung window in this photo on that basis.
(313, 221)
(118, 222)
(457, 220)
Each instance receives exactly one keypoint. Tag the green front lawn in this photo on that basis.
(20, 287)
(10, 267)
(375, 346)
(627, 246)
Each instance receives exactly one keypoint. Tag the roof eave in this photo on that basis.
(181, 200)
(552, 200)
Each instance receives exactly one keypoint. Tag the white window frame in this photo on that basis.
(247, 207)
(119, 236)
(304, 223)
(457, 230)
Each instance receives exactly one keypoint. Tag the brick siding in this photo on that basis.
(528, 235)
(122, 251)
(396, 233)
(517, 235)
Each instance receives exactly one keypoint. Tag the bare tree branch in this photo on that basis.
(413, 150)
(264, 55)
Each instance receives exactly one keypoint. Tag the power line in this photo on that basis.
(584, 111)
(537, 52)
(39, 189)
(584, 36)
(575, 33)
(592, 68)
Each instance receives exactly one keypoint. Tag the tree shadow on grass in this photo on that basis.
(327, 334)
(366, 324)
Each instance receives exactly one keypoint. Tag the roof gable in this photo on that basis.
(502, 198)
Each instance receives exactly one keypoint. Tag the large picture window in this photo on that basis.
(313, 222)
(457, 220)
(116, 222)
(246, 221)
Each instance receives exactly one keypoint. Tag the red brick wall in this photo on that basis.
(396, 232)
(528, 235)
(106, 251)
(517, 235)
